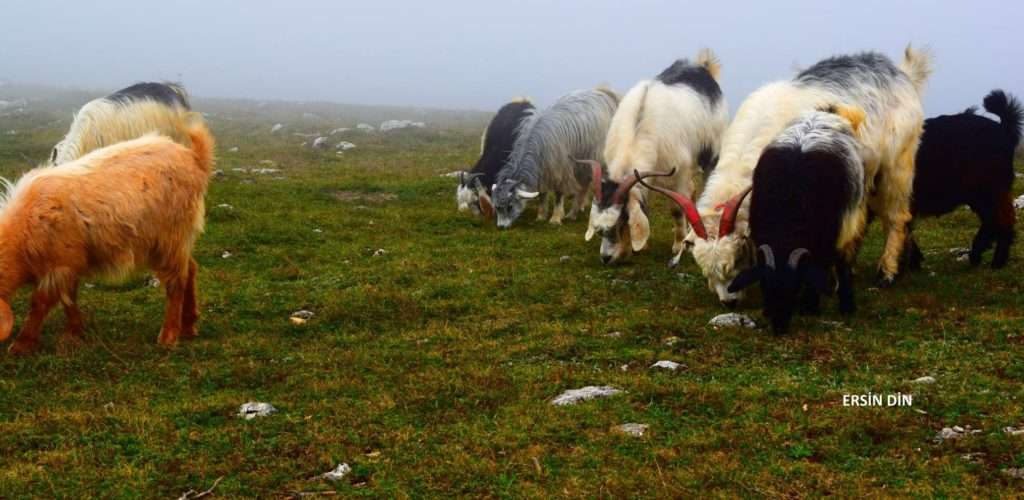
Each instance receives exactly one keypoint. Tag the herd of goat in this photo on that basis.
(784, 191)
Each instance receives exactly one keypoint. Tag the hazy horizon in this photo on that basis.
(464, 55)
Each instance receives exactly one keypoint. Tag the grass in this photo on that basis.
(429, 369)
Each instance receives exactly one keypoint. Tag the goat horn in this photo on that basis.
(732, 207)
(629, 182)
(769, 256)
(794, 257)
(689, 209)
(595, 176)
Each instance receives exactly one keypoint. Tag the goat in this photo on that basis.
(541, 161)
(126, 114)
(674, 121)
(135, 205)
(474, 191)
(966, 159)
(890, 98)
(807, 205)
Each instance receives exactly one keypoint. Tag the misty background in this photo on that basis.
(477, 55)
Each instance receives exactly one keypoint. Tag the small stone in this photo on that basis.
(671, 341)
(573, 396)
(276, 127)
(255, 409)
(624, 367)
(1018, 203)
(269, 163)
(338, 473)
(960, 253)
(233, 150)
(732, 320)
(303, 314)
(565, 258)
(320, 143)
(955, 432)
(972, 457)
(928, 379)
(225, 255)
(1013, 431)
(379, 252)
(318, 230)
(345, 145)
(154, 282)
(631, 429)
(365, 127)
(666, 364)
(613, 335)
(225, 206)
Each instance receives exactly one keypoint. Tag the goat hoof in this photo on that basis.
(168, 338)
(189, 333)
(674, 261)
(884, 281)
(21, 348)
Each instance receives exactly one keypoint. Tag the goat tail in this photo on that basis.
(1009, 111)
(707, 59)
(202, 144)
(917, 64)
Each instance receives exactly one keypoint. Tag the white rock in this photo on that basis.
(955, 432)
(304, 314)
(225, 255)
(564, 258)
(255, 409)
(339, 130)
(613, 335)
(666, 364)
(233, 150)
(1014, 472)
(927, 379)
(318, 230)
(366, 127)
(379, 252)
(733, 320)
(225, 206)
(1018, 203)
(153, 282)
(1013, 431)
(264, 171)
(345, 145)
(338, 473)
(243, 170)
(574, 396)
(276, 127)
(320, 143)
(455, 173)
(632, 429)
(671, 341)
(398, 124)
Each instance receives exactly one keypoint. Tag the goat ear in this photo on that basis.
(590, 233)
(486, 207)
(816, 277)
(639, 226)
(746, 278)
(6, 320)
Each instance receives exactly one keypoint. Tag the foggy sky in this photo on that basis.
(478, 54)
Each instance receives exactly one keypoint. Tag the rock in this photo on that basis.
(345, 145)
(269, 163)
(1014, 472)
(339, 130)
(255, 409)
(304, 314)
(955, 432)
(1013, 431)
(927, 379)
(225, 206)
(399, 124)
(573, 396)
(960, 253)
(732, 320)
(365, 127)
(613, 335)
(972, 457)
(671, 341)
(225, 255)
(338, 473)
(318, 230)
(666, 364)
(379, 252)
(320, 143)
(264, 171)
(242, 170)
(455, 173)
(276, 128)
(218, 173)
(631, 429)
(565, 258)
(1018, 203)
(233, 150)
(153, 282)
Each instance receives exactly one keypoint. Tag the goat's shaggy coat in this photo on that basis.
(127, 114)
(807, 213)
(135, 205)
(474, 191)
(674, 121)
(967, 159)
(541, 162)
(890, 98)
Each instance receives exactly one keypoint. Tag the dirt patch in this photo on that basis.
(356, 196)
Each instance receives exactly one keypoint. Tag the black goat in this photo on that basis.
(474, 191)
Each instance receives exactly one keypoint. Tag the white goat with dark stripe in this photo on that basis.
(671, 123)
(541, 162)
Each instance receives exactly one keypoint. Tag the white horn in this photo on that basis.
(527, 194)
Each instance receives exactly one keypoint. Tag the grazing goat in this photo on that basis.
(672, 122)
(967, 159)
(542, 158)
(890, 98)
(808, 206)
(126, 114)
(474, 191)
(135, 205)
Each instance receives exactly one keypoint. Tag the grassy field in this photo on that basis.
(429, 368)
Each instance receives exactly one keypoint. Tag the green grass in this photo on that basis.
(429, 369)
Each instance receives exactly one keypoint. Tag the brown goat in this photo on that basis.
(131, 206)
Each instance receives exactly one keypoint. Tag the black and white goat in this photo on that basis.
(967, 159)
(127, 114)
(674, 121)
(474, 191)
(542, 159)
(808, 211)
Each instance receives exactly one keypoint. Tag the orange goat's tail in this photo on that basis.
(202, 145)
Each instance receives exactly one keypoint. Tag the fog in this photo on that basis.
(476, 55)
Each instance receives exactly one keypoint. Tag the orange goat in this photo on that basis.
(131, 206)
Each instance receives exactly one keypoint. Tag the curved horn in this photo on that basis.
(595, 175)
(732, 207)
(629, 182)
(795, 255)
(769, 256)
(527, 194)
(689, 209)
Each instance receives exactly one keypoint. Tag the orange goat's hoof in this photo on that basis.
(167, 338)
(21, 348)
